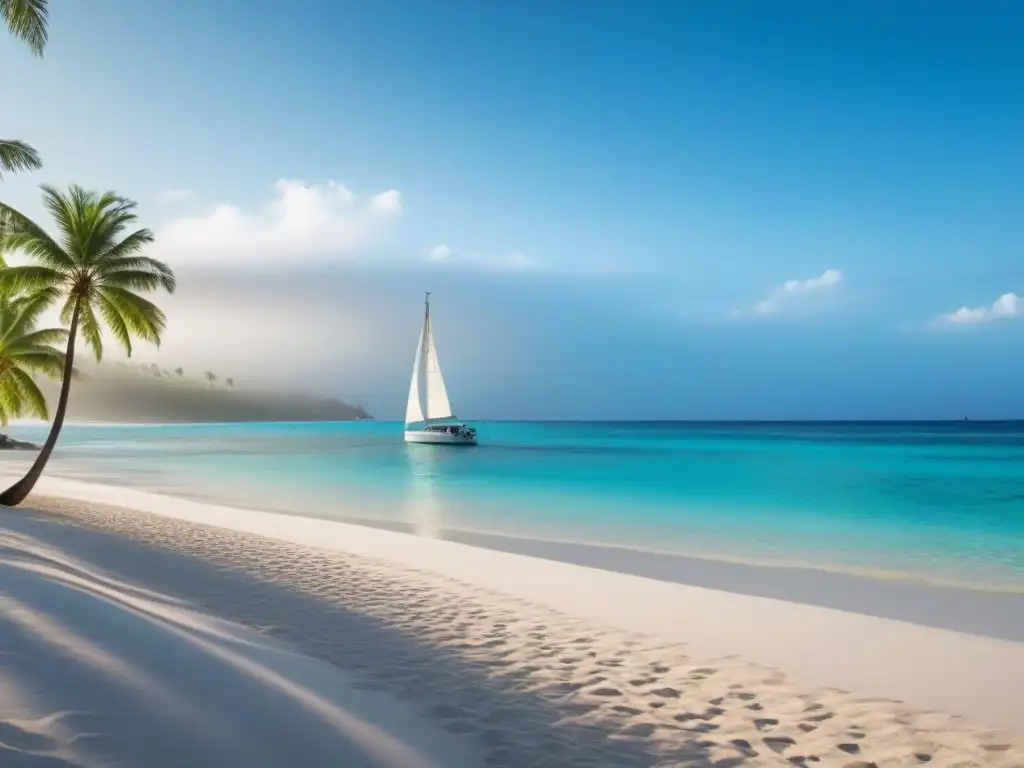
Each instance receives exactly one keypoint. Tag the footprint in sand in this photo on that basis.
(643, 681)
(643, 730)
(624, 710)
(666, 693)
(779, 744)
(744, 747)
(686, 717)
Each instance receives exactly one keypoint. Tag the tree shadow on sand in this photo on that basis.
(467, 682)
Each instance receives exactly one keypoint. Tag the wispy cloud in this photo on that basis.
(304, 221)
(174, 195)
(1006, 307)
(514, 261)
(795, 295)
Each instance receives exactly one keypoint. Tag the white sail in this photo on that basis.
(438, 406)
(413, 410)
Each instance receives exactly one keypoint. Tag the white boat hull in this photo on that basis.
(438, 438)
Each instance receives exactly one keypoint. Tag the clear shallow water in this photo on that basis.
(940, 501)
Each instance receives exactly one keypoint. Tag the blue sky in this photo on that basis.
(623, 191)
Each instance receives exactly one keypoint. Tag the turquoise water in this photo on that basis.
(941, 501)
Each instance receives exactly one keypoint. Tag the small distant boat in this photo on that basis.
(436, 423)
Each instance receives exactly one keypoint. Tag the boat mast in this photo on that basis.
(423, 354)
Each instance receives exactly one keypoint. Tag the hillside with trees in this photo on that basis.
(137, 393)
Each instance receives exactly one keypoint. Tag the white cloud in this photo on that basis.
(794, 295)
(175, 195)
(1007, 306)
(303, 221)
(440, 252)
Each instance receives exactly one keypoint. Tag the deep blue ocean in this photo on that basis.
(939, 501)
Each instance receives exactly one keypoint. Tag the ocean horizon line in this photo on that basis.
(702, 422)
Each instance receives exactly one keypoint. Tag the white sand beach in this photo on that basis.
(144, 630)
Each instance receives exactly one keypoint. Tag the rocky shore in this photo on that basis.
(10, 444)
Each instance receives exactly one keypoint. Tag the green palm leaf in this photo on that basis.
(27, 20)
(17, 156)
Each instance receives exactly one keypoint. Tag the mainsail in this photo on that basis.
(438, 406)
(436, 395)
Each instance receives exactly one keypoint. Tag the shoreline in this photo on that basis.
(626, 558)
(568, 671)
(964, 673)
(978, 610)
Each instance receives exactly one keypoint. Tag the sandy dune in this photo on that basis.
(522, 682)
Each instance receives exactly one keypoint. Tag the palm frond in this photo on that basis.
(29, 280)
(129, 246)
(21, 233)
(18, 156)
(37, 340)
(10, 398)
(32, 400)
(112, 316)
(139, 280)
(114, 214)
(91, 330)
(49, 362)
(28, 21)
(23, 312)
(62, 208)
(143, 318)
(68, 309)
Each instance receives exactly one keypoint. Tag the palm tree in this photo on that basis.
(210, 376)
(24, 350)
(230, 382)
(96, 270)
(26, 20)
(179, 372)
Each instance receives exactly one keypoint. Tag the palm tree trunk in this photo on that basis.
(17, 492)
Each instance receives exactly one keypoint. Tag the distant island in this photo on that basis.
(139, 393)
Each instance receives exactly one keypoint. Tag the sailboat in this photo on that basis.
(436, 423)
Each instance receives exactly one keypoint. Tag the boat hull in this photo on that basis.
(438, 438)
